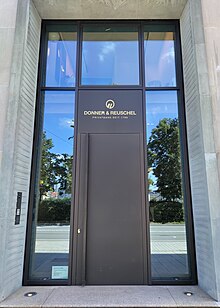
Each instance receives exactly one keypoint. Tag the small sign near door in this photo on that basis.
(59, 272)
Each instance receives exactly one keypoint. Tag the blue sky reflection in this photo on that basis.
(61, 60)
(110, 58)
(58, 120)
(160, 105)
(159, 53)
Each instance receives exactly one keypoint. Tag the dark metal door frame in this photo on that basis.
(74, 211)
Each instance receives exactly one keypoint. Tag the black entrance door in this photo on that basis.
(110, 169)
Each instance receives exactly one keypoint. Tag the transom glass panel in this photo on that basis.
(61, 57)
(159, 56)
(110, 55)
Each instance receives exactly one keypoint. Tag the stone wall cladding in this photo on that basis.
(8, 10)
(200, 141)
(19, 133)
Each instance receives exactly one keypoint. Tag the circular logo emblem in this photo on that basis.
(110, 104)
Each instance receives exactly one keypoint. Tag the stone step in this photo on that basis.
(108, 297)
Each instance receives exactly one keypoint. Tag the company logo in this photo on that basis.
(110, 104)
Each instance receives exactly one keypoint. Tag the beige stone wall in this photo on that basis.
(110, 9)
(202, 148)
(17, 136)
(8, 11)
(211, 20)
(211, 23)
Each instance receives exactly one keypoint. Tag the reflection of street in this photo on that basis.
(52, 239)
(168, 238)
(165, 239)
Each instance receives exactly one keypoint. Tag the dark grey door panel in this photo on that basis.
(114, 252)
(110, 205)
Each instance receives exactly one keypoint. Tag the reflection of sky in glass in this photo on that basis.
(160, 105)
(113, 62)
(159, 60)
(61, 60)
(58, 119)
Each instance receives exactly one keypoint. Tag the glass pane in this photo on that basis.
(61, 58)
(110, 55)
(51, 219)
(159, 53)
(167, 220)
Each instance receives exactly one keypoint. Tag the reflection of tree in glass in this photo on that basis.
(55, 169)
(164, 161)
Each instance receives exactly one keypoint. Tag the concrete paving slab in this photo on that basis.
(19, 300)
(198, 299)
(110, 296)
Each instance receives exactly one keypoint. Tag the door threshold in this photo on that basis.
(109, 296)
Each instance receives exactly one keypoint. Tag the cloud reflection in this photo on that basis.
(106, 49)
(66, 123)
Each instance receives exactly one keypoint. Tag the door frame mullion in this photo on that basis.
(80, 225)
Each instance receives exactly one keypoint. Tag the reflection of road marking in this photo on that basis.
(163, 231)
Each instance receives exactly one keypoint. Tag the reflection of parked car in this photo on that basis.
(154, 196)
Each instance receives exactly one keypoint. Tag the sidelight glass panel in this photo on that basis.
(61, 56)
(169, 257)
(53, 188)
(159, 55)
(110, 55)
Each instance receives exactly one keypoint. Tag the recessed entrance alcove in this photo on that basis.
(186, 90)
(110, 200)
